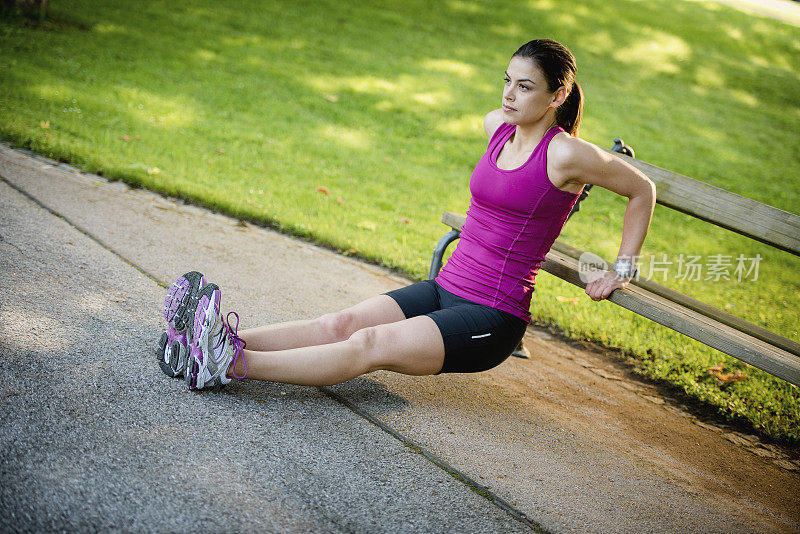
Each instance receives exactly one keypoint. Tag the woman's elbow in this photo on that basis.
(646, 191)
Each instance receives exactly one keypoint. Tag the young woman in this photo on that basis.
(473, 315)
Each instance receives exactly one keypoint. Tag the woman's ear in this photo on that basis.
(559, 97)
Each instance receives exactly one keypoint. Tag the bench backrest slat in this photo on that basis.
(453, 220)
(722, 337)
(739, 214)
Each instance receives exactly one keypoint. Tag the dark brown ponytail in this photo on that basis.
(559, 68)
(568, 114)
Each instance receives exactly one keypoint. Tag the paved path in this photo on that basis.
(95, 437)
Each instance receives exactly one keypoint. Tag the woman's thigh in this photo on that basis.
(412, 346)
(380, 309)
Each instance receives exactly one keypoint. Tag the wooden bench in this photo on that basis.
(732, 335)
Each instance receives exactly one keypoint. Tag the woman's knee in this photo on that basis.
(338, 326)
(342, 324)
(367, 342)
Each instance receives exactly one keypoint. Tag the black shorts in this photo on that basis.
(476, 337)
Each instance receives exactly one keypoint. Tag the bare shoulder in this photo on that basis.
(572, 161)
(566, 151)
(492, 121)
(573, 156)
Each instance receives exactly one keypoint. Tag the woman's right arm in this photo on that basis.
(492, 121)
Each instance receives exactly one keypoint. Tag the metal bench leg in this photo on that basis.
(438, 252)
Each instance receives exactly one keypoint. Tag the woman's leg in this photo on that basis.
(411, 346)
(328, 328)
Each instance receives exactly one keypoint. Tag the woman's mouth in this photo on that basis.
(507, 108)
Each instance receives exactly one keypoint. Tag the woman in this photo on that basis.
(475, 313)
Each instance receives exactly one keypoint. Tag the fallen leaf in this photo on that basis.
(387, 159)
(44, 124)
(48, 136)
(368, 225)
(323, 190)
(573, 300)
(220, 151)
(126, 138)
(404, 220)
(340, 200)
(153, 170)
(717, 368)
(732, 377)
(330, 98)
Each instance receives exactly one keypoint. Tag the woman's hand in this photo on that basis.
(605, 282)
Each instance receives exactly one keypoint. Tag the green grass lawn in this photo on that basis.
(251, 107)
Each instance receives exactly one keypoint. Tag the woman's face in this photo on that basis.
(526, 98)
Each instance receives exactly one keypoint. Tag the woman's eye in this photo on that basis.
(523, 87)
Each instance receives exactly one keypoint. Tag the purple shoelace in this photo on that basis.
(238, 343)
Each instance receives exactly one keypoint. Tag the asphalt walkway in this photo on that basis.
(95, 437)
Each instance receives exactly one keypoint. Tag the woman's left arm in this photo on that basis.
(572, 161)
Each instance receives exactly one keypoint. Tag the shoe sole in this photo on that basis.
(172, 364)
(179, 307)
(162, 347)
(208, 302)
(181, 300)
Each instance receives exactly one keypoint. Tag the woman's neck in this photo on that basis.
(527, 136)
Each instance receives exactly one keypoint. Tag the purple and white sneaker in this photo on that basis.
(179, 308)
(215, 345)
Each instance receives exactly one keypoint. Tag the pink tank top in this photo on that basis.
(513, 219)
